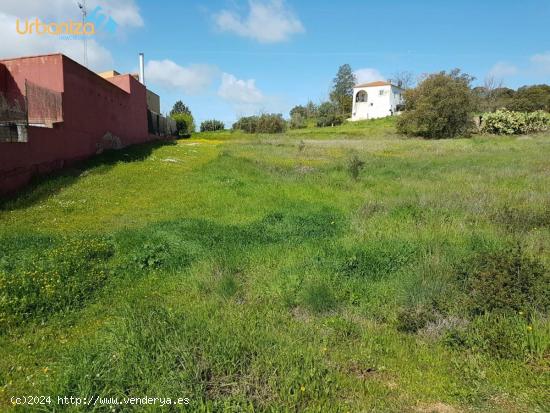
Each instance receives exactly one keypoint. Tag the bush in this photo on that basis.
(505, 122)
(441, 106)
(507, 281)
(410, 320)
(355, 165)
(329, 115)
(212, 125)
(185, 124)
(266, 123)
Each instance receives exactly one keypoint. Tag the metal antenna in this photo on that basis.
(84, 10)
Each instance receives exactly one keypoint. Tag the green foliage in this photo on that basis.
(507, 281)
(180, 108)
(298, 121)
(328, 115)
(300, 111)
(312, 110)
(530, 99)
(212, 125)
(265, 123)
(150, 256)
(504, 122)
(341, 94)
(504, 337)
(441, 106)
(63, 277)
(185, 124)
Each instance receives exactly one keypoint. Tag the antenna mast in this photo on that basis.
(84, 10)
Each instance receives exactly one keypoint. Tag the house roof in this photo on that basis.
(374, 84)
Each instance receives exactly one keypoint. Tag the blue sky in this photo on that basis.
(226, 58)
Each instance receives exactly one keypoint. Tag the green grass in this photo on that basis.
(254, 273)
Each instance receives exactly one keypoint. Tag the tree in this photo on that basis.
(342, 89)
(180, 107)
(329, 115)
(311, 110)
(441, 106)
(298, 110)
(530, 99)
(404, 79)
(185, 124)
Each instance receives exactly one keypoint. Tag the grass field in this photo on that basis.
(255, 273)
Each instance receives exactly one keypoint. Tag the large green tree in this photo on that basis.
(342, 89)
(441, 106)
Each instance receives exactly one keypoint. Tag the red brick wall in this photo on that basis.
(92, 107)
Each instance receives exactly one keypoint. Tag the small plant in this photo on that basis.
(212, 125)
(410, 320)
(151, 256)
(355, 166)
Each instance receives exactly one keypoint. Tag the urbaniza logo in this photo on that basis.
(96, 21)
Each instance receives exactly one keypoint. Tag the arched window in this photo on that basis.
(361, 96)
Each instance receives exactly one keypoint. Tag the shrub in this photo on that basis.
(507, 281)
(441, 106)
(212, 125)
(328, 115)
(505, 122)
(59, 278)
(266, 123)
(355, 165)
(410, 320)
(185, 124)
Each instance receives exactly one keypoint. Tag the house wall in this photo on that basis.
(97, 114)
(377, 105)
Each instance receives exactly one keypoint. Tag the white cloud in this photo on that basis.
(124, 12)
(239, 91)
(268, 21)
(191, 80)
(367, 75)
(17, 45)
(502, 70)
(541, 63)
(247, 99)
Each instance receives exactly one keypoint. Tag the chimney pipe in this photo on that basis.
(141, 70)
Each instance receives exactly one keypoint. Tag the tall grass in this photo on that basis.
(254, 273)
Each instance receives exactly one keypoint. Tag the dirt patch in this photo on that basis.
(437, 407)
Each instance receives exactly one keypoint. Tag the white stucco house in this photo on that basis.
(376, 100)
